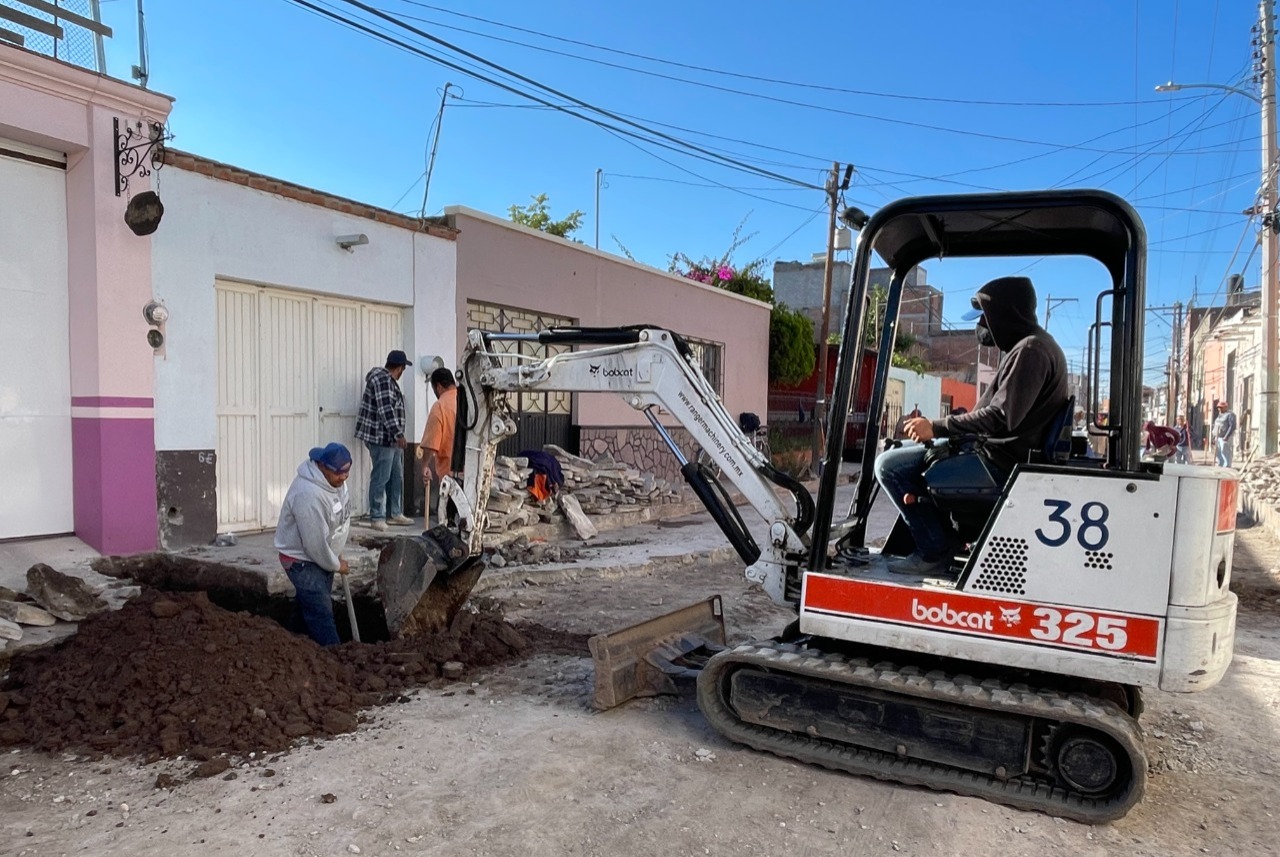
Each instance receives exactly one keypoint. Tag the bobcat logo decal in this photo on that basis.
(1011, 616)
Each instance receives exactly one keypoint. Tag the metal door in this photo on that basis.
(35, 353)
(291, 372)
(239, 443)
(288, 394)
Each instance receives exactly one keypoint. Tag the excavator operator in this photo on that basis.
(1029, 391)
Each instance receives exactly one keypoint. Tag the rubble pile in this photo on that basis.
(1261, 479)
(600, 486)
(521, 550)
(173, 674)
(50, 596)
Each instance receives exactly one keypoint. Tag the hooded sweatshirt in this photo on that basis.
(315, 519)
(1030, 387)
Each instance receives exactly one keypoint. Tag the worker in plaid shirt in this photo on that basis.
(381, 426)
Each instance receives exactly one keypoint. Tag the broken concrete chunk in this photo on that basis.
(25, 614)
(10, 630)
(573, 511)
(7, 594)
(64, 596)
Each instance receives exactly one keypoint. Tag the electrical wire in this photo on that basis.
(743, 76)
(585, 105)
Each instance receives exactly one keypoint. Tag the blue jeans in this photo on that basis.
(313, 602)
(1224, 451)
(386, 483)
(901, 471)
(1180, 455)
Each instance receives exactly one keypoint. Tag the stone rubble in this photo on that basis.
(1261, 479)
(599, 486)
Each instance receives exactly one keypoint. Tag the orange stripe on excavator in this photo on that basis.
(1228, 497)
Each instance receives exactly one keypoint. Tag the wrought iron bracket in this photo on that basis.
(139, 150)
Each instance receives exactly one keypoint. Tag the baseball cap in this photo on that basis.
(333, 456)
(398, 358)
(974, 313)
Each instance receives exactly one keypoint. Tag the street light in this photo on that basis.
(1270, 275)
(1178, 87)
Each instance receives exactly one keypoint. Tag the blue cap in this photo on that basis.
(335, 457)
(972, 314)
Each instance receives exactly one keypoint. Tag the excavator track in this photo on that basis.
(1081, 757)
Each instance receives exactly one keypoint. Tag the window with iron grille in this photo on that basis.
(710, 359)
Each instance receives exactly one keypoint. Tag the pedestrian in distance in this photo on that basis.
(1160, 442)
(380, 425)
(1224, 433)
(436, 448)
(1181, 454)
(315, 520)
(1028, 393)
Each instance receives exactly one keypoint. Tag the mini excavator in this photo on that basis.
(1017, 676)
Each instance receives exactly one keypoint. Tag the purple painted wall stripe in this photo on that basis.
(111, 402)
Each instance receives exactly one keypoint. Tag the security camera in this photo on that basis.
(346, 242)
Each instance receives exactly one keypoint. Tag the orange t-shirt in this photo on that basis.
(437, 437)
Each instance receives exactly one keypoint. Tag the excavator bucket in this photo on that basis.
(423, 581)
(648, 658)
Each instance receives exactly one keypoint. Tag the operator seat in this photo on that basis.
(965, 485)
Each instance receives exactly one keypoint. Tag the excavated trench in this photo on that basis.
(201, 665)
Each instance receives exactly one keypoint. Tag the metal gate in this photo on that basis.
(541, 418)
(291, 372)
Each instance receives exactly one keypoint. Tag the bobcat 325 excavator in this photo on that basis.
(1083, 579)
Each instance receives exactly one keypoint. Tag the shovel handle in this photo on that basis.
(351, 609)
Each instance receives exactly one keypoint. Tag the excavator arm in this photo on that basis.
(654, 372)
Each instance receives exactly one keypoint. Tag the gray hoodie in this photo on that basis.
(315, 519)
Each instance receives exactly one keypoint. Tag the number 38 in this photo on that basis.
(1092, 534)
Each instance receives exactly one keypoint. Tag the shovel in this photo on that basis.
(351, 608)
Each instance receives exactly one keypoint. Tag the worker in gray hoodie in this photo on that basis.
(315, 520)
(1029, 390)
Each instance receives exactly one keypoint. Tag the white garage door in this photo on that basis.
(35, 370)
(291, 369)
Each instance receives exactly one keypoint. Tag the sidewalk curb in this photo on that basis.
(546, 575)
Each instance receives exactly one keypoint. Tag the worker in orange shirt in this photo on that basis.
(436, 448)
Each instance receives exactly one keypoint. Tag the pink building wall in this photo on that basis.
(502, 263)
(58, 106)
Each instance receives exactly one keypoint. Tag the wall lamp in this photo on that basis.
(155, 313)
(346, 242)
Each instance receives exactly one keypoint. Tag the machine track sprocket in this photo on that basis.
(1081, 758)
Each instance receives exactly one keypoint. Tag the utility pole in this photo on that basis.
(435, 144)
(1174, 408)
(1265, 39)
(599, 180)
(833, 188)
(1050, 302)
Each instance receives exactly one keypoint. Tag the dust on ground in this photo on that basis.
(512, 760)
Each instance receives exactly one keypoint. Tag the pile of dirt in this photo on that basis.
(173, 674)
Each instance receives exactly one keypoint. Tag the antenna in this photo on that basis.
(142, 71)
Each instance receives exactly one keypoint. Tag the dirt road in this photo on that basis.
(518, 764)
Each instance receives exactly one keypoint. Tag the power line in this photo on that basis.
(740, 75)
(564, 95)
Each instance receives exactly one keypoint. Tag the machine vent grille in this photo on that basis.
(1003, 567)
(1097, 559)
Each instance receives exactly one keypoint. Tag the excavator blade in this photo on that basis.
(648, 658)
(423, 581)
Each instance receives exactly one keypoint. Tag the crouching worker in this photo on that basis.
(315, 520)
(1029, 390)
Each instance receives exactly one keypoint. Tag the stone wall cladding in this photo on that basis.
(639, 446)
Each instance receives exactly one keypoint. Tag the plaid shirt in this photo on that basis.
(381, 419)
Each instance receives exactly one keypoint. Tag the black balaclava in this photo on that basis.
(1008, 307)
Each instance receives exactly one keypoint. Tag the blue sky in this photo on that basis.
(922, 97)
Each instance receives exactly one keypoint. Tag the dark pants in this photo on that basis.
(313, 602)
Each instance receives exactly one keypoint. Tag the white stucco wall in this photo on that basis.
(921, 391)
(219, 229)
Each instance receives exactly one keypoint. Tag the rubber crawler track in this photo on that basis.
(1024, 792)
